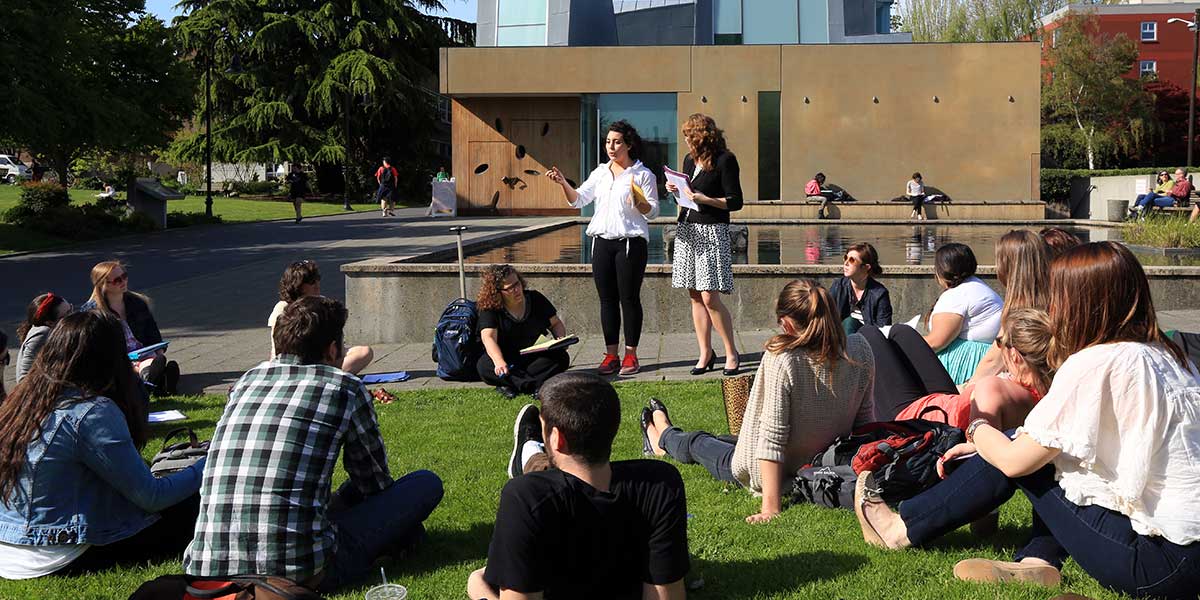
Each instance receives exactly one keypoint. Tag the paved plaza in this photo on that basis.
(213, 287)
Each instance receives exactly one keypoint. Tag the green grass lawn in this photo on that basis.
(231, 210)
(465, 437)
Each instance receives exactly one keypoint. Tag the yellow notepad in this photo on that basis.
(546, 342)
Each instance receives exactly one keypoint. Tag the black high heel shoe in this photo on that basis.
(733, 371)
(712, 361)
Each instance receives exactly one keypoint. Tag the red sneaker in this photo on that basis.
(609, 365)
(630, 365)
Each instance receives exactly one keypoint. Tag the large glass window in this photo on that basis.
(521, 23)
(768, 145)
(770, 22)
(654, 117)
(727, 16)
(814, 22)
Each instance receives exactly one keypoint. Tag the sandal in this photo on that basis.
(383, 396)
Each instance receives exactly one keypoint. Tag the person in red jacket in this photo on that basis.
(387, 176)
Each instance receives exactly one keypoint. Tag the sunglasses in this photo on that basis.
(851, 260)
(119, 279)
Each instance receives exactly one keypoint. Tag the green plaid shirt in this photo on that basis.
(266, 487)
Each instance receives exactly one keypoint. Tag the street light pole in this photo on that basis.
(208, 211)
(346, 163)
(1192, 86)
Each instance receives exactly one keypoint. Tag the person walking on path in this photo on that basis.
(626, 196)
(297, 181)
(703, 263)
(387, 176)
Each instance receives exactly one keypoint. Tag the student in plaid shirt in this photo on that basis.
(266, 505)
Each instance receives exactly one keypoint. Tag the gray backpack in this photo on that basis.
(178, 456)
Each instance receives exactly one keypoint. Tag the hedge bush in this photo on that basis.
(254, 188)
(1056, 183)
(46, 207)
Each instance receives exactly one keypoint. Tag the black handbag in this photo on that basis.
(178, 456)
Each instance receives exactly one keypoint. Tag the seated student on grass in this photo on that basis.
(512, 317)
(966, 317)
(909, 378)
(584, 527)
(813, 385)
(1023, 269)
(110, 293)
(859, 298)
(75, 493)
(1107, 459)
(40, 316)
(303, 279)
(266, 502)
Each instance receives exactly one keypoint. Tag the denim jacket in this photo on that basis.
(84, 482)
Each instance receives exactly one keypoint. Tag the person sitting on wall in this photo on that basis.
(815, 190)
(575, 525)
(1162, 190)
(512, 317)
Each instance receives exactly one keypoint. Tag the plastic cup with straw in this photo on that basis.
(387, 591)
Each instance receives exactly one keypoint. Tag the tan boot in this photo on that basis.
(981, 569)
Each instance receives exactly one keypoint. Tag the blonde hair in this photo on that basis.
(1028, 331)
(818, 330)
(100, 275)
(1023, 268)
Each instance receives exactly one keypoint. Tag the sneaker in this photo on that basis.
(980, 569)
(527, 427)
(609, 365)
(171, 378)
(630, 365)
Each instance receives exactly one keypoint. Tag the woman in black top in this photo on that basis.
(703, 254)
(859, 298)
(512, 317)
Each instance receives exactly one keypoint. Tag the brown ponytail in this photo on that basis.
(818, 330)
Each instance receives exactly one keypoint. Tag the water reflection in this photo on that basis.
(800, 244)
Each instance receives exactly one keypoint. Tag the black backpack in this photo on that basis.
(456, 343)
(902, 454)
(388, 177)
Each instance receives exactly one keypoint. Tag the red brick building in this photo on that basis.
(1164, 49)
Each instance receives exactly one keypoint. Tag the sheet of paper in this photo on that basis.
(164, 416)
(1140, 186)
(914, 322)
(680, 181)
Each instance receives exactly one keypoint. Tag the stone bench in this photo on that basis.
(883, 210)
(150, 197)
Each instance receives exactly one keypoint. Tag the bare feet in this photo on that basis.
(880, 525)
(1029, 570)
(658, 424)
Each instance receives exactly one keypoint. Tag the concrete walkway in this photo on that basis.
(213, 287)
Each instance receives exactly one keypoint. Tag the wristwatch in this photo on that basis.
(970, 433)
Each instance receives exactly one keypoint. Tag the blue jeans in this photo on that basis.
(370, 527)
(701, 448)
(1145, 200)
(1102, 541)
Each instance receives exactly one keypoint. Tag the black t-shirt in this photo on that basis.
(558, 535)
(513, 335)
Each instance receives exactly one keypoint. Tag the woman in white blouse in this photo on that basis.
(966, 317)
(1109, 459)
(626, 197)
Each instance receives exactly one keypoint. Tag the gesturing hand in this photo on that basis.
(556, 176)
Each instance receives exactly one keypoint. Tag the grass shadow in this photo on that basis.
(768, 576)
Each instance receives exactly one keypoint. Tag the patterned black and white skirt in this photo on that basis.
(703, 258)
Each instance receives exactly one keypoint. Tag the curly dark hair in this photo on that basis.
(296, 275)
(705, 137)
(490, 283)
(631, 137)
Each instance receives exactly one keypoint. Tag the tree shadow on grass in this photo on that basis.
(768, 576)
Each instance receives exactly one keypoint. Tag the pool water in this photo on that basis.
(804, 244)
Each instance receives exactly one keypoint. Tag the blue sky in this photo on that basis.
(459, 9)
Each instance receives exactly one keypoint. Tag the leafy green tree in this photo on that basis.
(101, 75)
(290, 76)
(1087, 85)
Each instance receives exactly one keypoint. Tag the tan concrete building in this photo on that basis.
(866, 114)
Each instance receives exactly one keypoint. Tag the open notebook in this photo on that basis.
(546, 342)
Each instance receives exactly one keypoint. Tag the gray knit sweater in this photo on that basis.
(798, 407)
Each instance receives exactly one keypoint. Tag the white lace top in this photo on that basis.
(1127, 419)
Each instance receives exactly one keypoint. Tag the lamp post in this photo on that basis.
(1192, 84)
(346, 166)
(208, 212)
